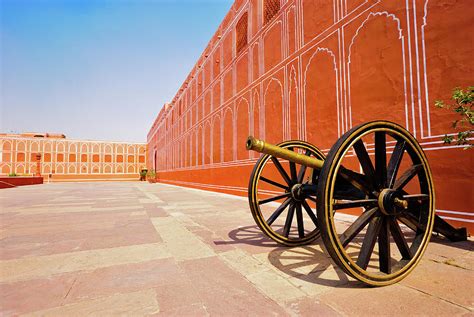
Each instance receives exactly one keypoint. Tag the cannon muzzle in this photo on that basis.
(276, 151)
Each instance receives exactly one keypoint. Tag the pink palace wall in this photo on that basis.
(311, 72)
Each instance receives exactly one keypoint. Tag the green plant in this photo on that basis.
(151, 174)
(462, 105)
(143, 172)
(12, 174)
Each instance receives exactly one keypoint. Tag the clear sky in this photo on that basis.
(99, 69)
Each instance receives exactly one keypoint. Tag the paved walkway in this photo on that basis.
(141, 249)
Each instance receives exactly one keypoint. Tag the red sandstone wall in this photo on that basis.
(314, 71)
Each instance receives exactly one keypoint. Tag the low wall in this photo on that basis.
(8, 182)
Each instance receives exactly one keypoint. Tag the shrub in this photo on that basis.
(462, 105)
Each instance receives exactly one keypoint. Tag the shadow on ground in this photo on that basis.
(308, 263)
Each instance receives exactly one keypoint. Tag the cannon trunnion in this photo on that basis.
(371, 199)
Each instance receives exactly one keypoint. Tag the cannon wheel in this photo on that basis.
(295, 204)
(390, 227)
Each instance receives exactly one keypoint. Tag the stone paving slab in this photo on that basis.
(139, 249)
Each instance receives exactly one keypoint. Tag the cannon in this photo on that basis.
(371, 199)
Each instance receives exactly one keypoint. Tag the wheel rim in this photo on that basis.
(388, 189)
(282, 196)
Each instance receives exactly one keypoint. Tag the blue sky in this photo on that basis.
(97, 70)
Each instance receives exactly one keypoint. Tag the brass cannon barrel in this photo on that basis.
(276, 151)
(279, 152)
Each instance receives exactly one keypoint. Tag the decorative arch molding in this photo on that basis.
(108, 149)
(60, 147)
(130, 149)
(95, 148)
(199, 145)
(46, 168)
(95, 169)
(228, 131)
(216, 138)
(59, 169)
(6, 168)
(377, 108)
(84, 169)
(119, 149)
(7, 145)
(207, 142)
(273, 108)
(242, 128)
(294, 111)
(255, 111)
(20, 168)
(48, 146)
(321, 106)
(119, 169)
(131, 169)
(35, 147)
(21, 146)
(72, 148)
(71, 169)
(107, 169)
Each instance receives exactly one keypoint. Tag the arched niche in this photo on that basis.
(243, 128)
(377, 71)
(273, 105)
(293, 104)
(207, 142)
(228, 135)
(216, 139)
(320, 93)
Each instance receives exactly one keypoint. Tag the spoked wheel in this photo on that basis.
(376, 203)
(280, 191)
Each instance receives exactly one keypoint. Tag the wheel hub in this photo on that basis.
(296, 192)
(391, 202)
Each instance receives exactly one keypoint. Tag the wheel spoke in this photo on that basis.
(310, 213)
(364, 159)
(278, 211)
(399, 239)
(269, 181)
(369, 242)
(281, 170)
(289, 220)
(264, 201)
(411, 222)
(416, 197)
(311, 198)
(380, 159)
(292, 169)
(359, 181)
(302, 170)
(299, 220)
(384, 248)
(395, 161)
(357, 226)
(354, 203)
(407, 176)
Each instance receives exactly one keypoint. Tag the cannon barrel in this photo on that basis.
(276, 151)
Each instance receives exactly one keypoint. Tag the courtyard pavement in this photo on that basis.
(131, 248)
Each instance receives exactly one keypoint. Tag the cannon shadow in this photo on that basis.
(467, 245)
(307, 263)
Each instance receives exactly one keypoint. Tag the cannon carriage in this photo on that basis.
(371, 200)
